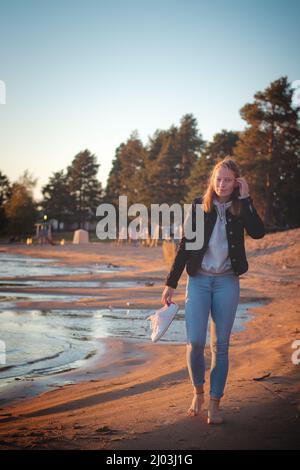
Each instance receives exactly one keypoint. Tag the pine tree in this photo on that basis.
(84, 186)
(113, 185)
(131, 161)
(165, 171)
(269, 151)
(223, 144)
(171, 155)
(58, 202)
(189, 146)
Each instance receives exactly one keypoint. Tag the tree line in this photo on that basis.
(174, 166)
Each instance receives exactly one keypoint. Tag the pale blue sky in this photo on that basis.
(85, 74)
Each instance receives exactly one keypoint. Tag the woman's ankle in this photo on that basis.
(212, 398)
(198, 390)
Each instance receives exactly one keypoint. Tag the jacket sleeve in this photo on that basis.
(178, 265)
(182, 254)
(252, 222)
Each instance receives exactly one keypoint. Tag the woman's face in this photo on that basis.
(224, 182)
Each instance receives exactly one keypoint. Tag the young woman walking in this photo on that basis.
(213, 279)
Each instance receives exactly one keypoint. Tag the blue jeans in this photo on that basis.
(220, 295)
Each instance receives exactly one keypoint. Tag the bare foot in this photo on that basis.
(197, 404)
(214, 415)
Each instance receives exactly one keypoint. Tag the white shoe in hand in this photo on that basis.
(162, 319)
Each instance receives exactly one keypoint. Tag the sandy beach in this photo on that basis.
(136, 395)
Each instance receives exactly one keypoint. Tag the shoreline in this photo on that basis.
(113, 350)
(112, 363)
(145, 406)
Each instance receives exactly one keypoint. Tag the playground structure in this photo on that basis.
(43, 234)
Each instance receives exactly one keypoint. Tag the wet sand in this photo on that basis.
(142, 401)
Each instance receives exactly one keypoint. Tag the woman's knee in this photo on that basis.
(219, 348)
(195, 346)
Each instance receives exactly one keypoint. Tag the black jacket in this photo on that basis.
(192, 259)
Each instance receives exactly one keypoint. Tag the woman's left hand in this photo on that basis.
(243, 186)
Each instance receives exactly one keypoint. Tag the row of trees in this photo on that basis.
(174, 166)
(18, 211)
(73, 195)
(70, 197)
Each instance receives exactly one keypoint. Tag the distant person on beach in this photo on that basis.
(213, 279)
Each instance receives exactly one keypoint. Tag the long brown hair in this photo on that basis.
(207, 200)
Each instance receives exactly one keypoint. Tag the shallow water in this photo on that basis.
(26, 266)
(42, 342)
(39, 342)
(65, 283)
(10, 299)
(37, 345)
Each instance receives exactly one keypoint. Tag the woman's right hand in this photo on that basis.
(167, 294)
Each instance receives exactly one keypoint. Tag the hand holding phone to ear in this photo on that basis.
(242, 184)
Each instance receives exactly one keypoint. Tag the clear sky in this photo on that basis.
(85, 74)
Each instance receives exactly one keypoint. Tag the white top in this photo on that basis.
(216, 259)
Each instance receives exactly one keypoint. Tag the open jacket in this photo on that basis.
(235, 225)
